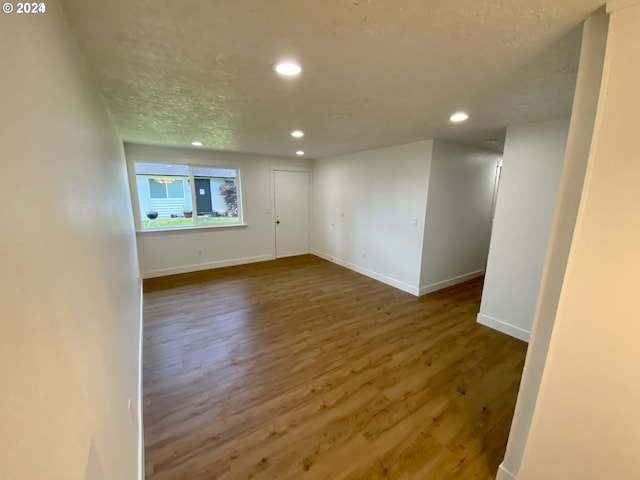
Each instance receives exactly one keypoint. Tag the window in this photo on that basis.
(174, 196)
(166, 188)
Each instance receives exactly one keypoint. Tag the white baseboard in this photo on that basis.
(504, 474)
(405, 287)
(328, 257)
(141, 472)
(292, 255)
(206, 266)
(449, 282)
(503, 327)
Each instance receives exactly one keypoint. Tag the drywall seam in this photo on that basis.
(450, 281)
(163, 272)
(405, 287)
(503, 327)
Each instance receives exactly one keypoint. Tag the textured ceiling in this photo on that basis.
(376, 72)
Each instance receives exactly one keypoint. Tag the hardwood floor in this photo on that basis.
(300, 369)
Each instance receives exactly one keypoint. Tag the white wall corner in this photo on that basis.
(327, 257)
(450, 282)
(141, 473)
(517, 332)
(504, 474)
(405, 287)
(615, 5)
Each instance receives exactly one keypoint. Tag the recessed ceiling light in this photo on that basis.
(196, 143)
(287, 69)
(297, 133)
(299, 153)
(459, 117)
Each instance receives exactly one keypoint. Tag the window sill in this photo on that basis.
(190, 228)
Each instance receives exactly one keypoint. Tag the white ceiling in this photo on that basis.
(376, 72)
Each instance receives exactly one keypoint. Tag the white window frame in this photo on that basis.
(180, 160)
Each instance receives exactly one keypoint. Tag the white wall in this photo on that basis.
(170, 252)
(458, 216)
(70, 296)
(571, 183)
(531, 168)
(586, 423)
(364, 208)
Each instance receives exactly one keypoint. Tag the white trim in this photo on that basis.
(141, 472)
(449, 282)
(163, 272)
(616, 5)
(293, 255)
(327, 257)
(504, 474)
(272, 208)
(503, 327)
(405, 287)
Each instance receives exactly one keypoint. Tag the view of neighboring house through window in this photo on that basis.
(166, 188)
(174, 196)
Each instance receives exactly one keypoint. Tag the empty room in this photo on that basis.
(342, 239)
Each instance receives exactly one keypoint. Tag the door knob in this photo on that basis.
(277, 222)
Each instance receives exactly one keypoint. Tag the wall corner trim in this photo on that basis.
(504, 474)
(450, 281)
(503, 327)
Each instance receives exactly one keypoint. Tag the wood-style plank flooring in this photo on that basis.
(300, 369)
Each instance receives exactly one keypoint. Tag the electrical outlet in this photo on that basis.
(199, 252)
(364, 256)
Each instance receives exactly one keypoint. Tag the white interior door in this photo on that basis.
(291, 202)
